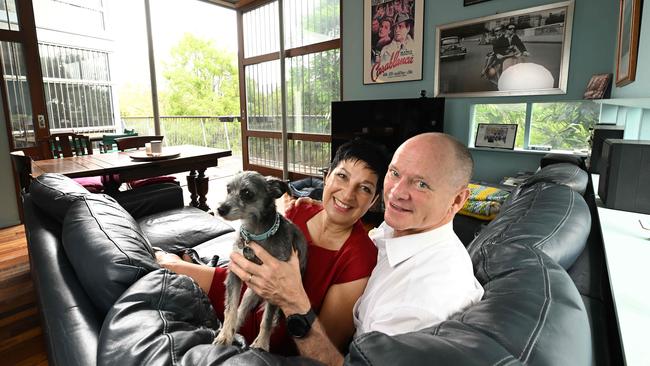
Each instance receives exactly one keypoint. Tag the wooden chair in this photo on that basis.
(135, 142)
(23, 168)
(69, 144)
(108, 140)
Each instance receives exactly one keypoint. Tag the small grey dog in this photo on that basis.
(251, 198)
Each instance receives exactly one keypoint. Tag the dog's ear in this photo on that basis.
(277, 186)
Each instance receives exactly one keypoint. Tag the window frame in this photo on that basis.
(288, 53)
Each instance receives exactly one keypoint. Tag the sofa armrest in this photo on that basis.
(150, 199)
(69, 319)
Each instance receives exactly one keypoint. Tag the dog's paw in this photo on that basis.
(261, 344)
(223, 339)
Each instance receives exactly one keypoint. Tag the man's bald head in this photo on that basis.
(426, 184)
(444, 153)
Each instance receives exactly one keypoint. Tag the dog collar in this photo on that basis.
(248, 236)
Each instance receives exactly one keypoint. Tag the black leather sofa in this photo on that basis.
(123, 310)
(86, 249)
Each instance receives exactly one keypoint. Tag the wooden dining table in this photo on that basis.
(120, 167)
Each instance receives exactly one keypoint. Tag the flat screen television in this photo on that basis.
(387, 121)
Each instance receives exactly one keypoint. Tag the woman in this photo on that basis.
(340, 254)
(385, 36)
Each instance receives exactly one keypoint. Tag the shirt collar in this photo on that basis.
(404, 247)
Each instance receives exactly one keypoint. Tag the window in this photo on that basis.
(312, 82)
(18, 97)
(560, 126)
(77, 86)
(8, 15)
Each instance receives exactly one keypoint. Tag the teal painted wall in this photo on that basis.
(635, 119)
(640, 87)
(592, 49)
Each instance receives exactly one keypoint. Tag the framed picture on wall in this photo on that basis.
(392, 40)
(500, 136)
(521, 52)
(628, 41)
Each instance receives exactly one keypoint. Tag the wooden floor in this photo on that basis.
(21, 336)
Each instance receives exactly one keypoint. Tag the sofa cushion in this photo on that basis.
(92, 184)
(554, 158)
(150, 199)
(186, 227)
(54, 193)
(106, 248)
(547, 216)
(566, 174)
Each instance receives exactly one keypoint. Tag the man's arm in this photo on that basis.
(280, 283)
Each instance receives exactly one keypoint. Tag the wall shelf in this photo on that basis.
(626, 102)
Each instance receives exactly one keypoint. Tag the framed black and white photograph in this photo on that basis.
(521, 52)
(499, 136)
(472, 2)
(392, 40)
(628, 41)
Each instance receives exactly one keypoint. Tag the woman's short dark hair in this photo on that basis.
(375, 156)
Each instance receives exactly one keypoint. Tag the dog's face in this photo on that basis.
(250, 195)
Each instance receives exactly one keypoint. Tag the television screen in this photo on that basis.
(388, 121)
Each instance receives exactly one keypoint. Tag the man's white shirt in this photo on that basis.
(419, 281)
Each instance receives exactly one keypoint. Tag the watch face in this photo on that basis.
(297, 325)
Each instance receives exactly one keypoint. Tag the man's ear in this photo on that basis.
(277, 187)
(459, 200)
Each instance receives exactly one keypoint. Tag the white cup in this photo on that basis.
(147, 148)
(156, 147)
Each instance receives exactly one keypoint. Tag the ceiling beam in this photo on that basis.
(224, 3)
(231, 4)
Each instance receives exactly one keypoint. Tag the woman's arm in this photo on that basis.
(202, 275)
(336, 313)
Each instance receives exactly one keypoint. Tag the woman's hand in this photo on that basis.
(167, 260)
(201, 274)
(276, 281)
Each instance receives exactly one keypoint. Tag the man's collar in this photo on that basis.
(404, 247)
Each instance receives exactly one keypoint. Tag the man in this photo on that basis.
(402, 40)
(500, 47)
(423, 273)
(514, 40)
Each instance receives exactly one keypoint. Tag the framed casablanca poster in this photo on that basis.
(392, 40)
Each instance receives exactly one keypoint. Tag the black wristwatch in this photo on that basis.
(298, 325)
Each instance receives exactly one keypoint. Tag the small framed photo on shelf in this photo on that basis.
(499, 136)
(599, 87)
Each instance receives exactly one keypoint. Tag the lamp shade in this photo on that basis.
(526, 75)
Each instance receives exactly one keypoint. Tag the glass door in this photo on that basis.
(311, 82)
(23, 102)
